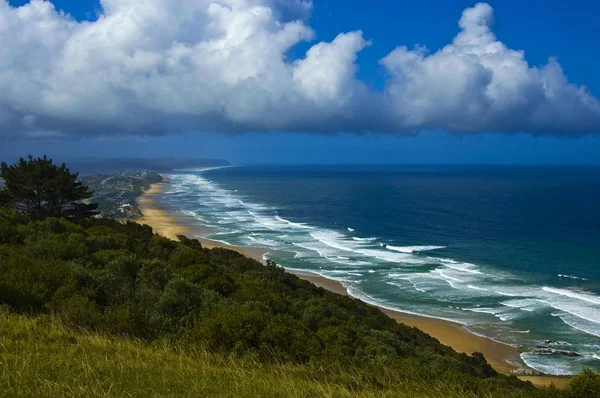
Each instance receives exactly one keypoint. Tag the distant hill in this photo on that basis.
(118, 182)
(87, 165)
(161, 165)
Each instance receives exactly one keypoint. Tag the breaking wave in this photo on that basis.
(412, 278)
(413, 249)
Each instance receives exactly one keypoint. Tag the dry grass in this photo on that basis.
(39, 357)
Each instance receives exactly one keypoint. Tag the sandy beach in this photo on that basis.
(170, 225)
(502, 357)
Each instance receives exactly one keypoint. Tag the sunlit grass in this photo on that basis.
(39, 357)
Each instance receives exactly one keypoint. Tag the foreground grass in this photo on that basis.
(39, 357)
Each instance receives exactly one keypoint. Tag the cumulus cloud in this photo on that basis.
(158, 66)
(476, 84)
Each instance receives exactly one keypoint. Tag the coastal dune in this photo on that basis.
(504, 358)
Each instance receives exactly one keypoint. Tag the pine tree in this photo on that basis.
(38, 188)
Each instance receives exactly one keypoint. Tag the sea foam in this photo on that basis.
(413, 249)
(338, 255)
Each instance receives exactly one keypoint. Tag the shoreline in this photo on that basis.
(502, 357)
(169, 225)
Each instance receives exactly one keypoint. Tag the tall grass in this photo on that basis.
(40, 357)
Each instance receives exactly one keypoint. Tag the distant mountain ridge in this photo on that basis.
(161, 165)
(92, 165)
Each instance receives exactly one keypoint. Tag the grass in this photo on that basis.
(39, 357)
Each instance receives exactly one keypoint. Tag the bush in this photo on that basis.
(179, 304)
(121, 279)
(586, 384)
(78, 311)
(8, 227)
(29, 283)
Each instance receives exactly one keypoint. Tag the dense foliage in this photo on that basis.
(40, 357)
(38, 188)
(120, 278)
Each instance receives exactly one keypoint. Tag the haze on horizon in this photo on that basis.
(257, 81)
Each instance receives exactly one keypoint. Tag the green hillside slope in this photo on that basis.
(202, 321)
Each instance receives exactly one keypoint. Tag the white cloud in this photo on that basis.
(478, 84)
(221, 65)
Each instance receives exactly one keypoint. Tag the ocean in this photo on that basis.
(511, 252)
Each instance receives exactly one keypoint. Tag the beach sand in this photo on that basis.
(502, 357)
(169, 225)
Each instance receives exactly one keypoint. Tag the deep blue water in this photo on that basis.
(511, 252)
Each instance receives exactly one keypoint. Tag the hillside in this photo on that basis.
(62, 362)
(162, 164)
(213, 313)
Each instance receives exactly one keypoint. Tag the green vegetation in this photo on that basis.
(121, 280)
(100, 307)
(40, 357)
(38, 189)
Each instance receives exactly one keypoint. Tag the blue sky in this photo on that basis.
(541, 29)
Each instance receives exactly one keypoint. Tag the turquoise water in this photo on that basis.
(513, 253)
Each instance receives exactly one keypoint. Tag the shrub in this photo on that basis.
(179, 304)
(78, 311)
(121, 279)
(29, 284)
(586, 384)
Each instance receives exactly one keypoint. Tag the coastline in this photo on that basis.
(502, 357)
(170, 225)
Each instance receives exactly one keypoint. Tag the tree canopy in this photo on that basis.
(38, 188)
